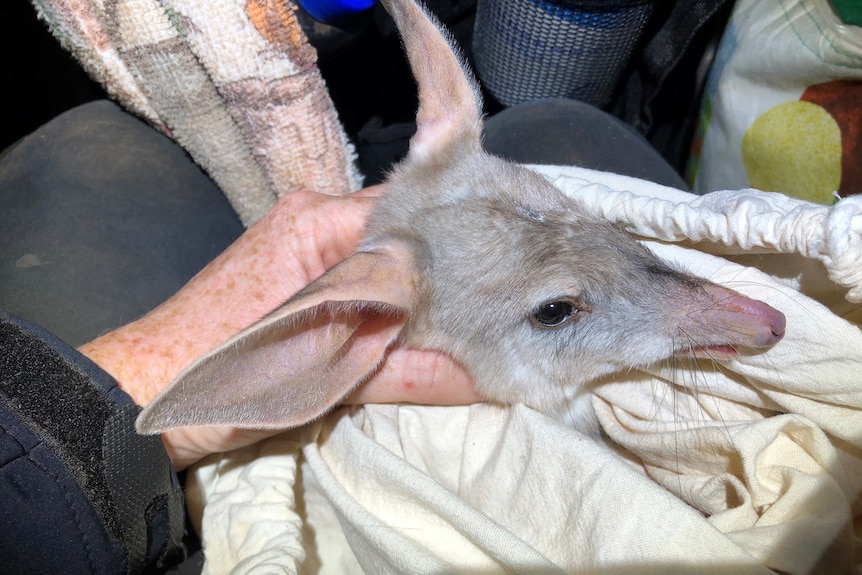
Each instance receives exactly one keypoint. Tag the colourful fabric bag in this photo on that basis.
(782, 110)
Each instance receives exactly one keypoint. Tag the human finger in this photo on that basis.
(417, 376)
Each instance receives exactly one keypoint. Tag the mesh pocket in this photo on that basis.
(531, 49)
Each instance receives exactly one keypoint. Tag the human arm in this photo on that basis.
(301, 237)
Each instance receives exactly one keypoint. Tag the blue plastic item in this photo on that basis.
(333, 11)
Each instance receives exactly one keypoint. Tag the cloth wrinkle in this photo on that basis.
(742, 466)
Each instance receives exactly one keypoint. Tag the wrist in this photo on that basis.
(141, 365)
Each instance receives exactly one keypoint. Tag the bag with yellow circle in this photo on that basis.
(782, 108)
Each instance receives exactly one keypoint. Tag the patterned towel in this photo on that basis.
(234, 82)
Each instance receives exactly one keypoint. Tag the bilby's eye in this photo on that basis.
(554, 313)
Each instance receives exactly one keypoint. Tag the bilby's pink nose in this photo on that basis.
(765, 322)
(740, 320)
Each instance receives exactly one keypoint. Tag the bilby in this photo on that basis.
(476, 257)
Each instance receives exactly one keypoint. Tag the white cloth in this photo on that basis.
(742, 466)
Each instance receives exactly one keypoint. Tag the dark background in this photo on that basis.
(362, 63)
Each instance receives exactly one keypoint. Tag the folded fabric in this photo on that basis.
(738, 466)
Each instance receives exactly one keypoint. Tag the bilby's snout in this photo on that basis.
(763, 323)
(724, 320)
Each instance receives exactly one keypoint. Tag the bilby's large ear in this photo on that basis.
(450, 103)
(299, 361)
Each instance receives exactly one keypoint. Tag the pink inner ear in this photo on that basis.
(323, 358)
(437, 138)
(283, 375)
(299, 361)
(450, 107)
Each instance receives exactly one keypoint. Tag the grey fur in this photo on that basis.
(470, 248)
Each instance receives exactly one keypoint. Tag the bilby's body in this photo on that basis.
(476, 257)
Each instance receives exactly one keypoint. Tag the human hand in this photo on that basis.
(301, 237)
